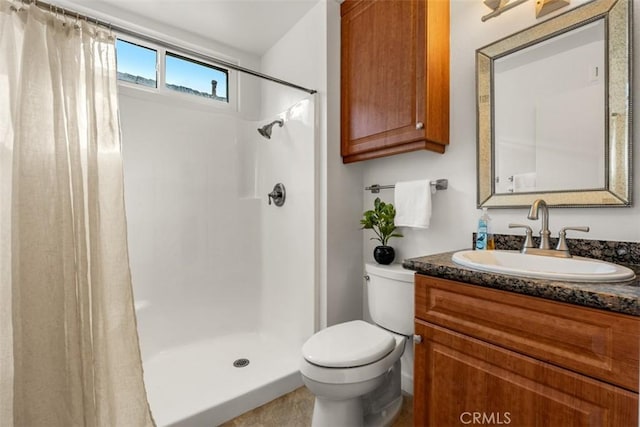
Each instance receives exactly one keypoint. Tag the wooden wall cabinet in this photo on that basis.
(394, 77)
(499, 358)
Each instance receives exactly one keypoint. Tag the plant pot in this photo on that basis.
(384, 254)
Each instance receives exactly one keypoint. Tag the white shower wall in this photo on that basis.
(288, 232)
(206, 248)
(194, 242)
(309, 55)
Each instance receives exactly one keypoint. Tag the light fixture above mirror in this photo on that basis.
(543, 7)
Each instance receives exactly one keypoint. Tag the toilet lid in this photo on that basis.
(348, 345)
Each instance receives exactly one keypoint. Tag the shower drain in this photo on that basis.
(241, 363)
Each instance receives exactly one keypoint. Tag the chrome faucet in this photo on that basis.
(544, 248)
(536, 206)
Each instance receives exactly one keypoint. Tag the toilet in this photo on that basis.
(353, 368)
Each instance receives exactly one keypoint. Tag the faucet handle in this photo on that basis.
(562, 236)
(528, 240)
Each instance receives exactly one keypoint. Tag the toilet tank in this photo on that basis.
(390, 297)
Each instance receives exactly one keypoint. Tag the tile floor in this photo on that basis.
(295, 409)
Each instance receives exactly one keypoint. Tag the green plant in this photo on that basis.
(380, 220)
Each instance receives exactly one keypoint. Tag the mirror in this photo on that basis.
(554, 111)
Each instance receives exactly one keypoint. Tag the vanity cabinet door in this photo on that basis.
(394, 77)
(460, 380)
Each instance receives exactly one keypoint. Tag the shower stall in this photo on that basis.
(224, 282)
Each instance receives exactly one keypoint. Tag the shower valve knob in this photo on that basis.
(278, 195)
(274, 195)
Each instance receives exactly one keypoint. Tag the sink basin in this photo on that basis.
(513, 263)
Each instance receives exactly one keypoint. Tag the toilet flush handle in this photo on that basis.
(417, 339)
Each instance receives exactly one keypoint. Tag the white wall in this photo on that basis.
(309, 55)
(342, 195)
(454, 210)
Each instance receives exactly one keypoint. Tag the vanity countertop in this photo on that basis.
(621, 298)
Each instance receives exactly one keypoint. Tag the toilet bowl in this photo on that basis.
(353, 368)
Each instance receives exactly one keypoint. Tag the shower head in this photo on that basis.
(266, 129)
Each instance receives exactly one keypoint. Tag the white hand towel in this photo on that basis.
(524, 181)
(413, 203)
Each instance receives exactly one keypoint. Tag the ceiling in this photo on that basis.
(249, 25)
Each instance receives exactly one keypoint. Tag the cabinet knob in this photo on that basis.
(417, 339)
(419, 125)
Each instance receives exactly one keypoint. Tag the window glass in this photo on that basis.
(136, 64)
(196, 78)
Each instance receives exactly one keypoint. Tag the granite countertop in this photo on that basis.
(621, 298)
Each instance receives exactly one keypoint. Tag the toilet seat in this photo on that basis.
(356, 374)
(348, 345)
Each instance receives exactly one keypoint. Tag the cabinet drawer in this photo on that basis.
(593, 342)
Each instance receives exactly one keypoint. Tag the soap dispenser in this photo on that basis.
(484, 236)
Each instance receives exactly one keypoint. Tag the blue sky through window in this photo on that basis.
(136, 60)
(184, 72)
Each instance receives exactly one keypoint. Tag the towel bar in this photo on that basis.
(438, 184)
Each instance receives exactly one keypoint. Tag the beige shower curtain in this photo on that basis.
(69, 353)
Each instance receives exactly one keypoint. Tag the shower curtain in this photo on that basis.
(69, 352)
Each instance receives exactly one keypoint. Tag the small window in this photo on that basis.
(196, 78)
(136, 64)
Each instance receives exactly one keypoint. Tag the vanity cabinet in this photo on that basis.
(497, 358)
(394, 77)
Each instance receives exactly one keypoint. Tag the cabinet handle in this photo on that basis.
(419, 125)
(417, 339)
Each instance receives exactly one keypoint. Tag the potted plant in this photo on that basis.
(380, 220)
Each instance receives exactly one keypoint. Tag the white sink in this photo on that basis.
(513, 263)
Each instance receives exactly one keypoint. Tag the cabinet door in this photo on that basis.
(395, 77)
(460, 381)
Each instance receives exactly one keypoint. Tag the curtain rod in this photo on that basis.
(167, 45)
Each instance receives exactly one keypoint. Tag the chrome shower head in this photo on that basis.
(266, 129)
